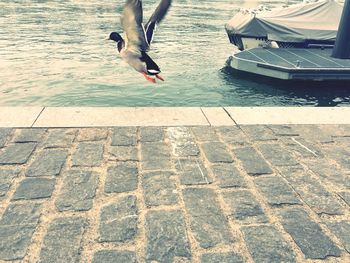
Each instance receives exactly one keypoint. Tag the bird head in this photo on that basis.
(115, 37)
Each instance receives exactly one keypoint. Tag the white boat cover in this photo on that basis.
(296, 23)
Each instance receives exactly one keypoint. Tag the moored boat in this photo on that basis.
(296, 26)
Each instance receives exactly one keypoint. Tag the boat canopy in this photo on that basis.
(295, 23)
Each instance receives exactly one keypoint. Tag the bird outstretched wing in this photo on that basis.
(156, 18)
(132, 24)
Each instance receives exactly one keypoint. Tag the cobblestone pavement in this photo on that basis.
(176, 194)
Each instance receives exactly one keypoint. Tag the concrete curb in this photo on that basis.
(168, 116)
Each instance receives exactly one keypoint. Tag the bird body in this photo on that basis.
(138, 37)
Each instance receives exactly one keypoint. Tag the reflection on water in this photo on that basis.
(54, 53)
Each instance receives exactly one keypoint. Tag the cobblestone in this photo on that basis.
(276, 155)
(78, 191)
(62, 242)
(113, 256)
(88, 154)
(60, 138)
(312, 192)
(34, 188)
(266, 244)
(4, 136)
(18, 153)
(182, 141)
(342, 230)
(244, 207)
(276, 191)
(118, 221)
(308, 235)
(216, 152)
(227, 175)
(151, 134)
(6, 178)
(252, 162)
(17, 226)
(228, 257)
(30, 135)
(122, 177)
(166, 236)
(48, 163)
(192, 172)
(259, 133)
(208, 222)
(73, 196)
(159, 188)
(124, 136)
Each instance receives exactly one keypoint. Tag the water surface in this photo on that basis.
(54, 53)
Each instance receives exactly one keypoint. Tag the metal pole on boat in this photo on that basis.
(342, 44)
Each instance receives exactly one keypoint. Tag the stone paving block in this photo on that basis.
(329, 172)
(88, 154)
(252, 162)
(340, 155)
(21, 214)
(15, 241)
(151, 134)
(17, 226)
(156, 156)
(283, 130)
(34, 188)
(259, 133)
(17, 153)
(342, 230)
(124, 136)
(123, 153)
(313, 133)
(233, 135)
(59, 138)
(114, 256)
(216, 152)
(192, 172)
(206, 134)
(62, 242)
(4, 136)
(227, 175)
(301, 147)
(182, 142)
(276, 191)
(159, 188)
(118, 221)
(166, 236)
(345, 196)
(312, 192)
(30, 135)
(6, 178)
(276, 155)
(92, 134)
(308, 235)
(244, 207)
(208, 223)
(122, 177)
(226, 257)
(78, 191)
(266, 244)
(47, 163)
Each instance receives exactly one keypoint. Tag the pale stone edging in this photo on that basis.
(168, 116)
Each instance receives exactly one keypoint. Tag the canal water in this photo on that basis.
(55, 53)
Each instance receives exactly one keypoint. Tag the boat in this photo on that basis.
(301, 25)
(300, 42)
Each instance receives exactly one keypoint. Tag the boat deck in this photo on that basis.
(292, 63)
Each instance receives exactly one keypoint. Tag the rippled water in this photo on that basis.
(54, 53)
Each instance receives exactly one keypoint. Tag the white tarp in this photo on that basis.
(296, 23)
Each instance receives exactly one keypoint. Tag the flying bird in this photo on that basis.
(138, 37)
